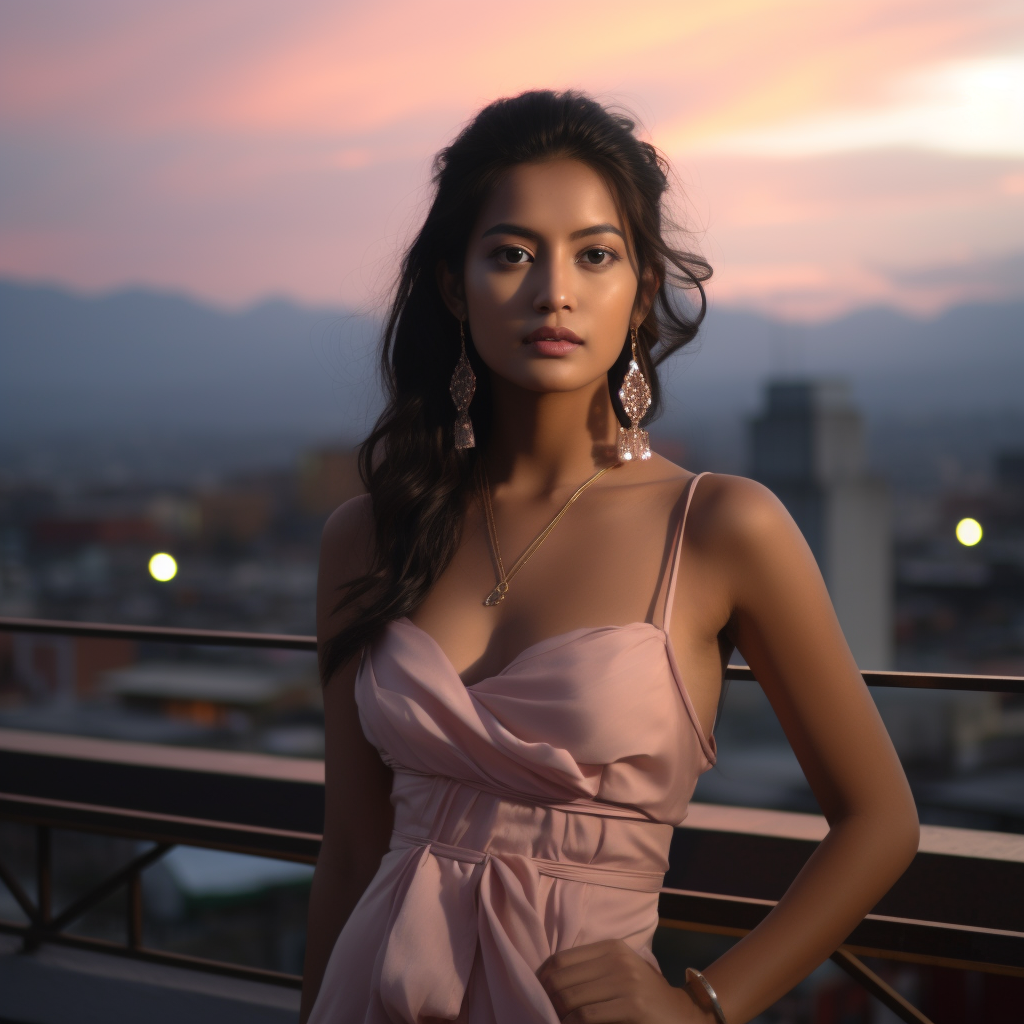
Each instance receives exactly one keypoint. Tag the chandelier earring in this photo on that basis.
(462, 389)
(635, 396)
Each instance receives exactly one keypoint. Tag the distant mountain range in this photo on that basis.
(142, 360)
(149, 368)
(968, 360)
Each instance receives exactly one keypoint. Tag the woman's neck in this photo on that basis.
(543, 441)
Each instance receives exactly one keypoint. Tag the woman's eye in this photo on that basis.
(598, 257)
(514, 255)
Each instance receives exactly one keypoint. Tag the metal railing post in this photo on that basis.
(134, 890)
(883, 992)
(44, 874)
(44, 888)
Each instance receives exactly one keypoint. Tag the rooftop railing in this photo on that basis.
(728, 865)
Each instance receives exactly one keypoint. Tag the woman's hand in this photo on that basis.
(608, 983)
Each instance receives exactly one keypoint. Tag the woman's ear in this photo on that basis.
(645, 296)
(450, 286)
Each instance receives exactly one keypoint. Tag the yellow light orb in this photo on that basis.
(968, 532)
(162, 567)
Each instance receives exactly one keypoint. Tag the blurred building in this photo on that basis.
(239, 515)
(960, 603)
(808, 447)
(207, 694)
(328, 477)
(63, 667)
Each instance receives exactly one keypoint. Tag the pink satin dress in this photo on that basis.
(533, 812)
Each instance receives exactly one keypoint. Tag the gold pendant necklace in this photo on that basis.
(497, 595)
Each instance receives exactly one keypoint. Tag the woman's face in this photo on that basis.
(549, 282)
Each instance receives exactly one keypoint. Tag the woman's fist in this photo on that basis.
(608, 983)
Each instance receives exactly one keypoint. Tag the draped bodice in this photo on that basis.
(594, 715)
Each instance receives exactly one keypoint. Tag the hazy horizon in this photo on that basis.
(144, 378)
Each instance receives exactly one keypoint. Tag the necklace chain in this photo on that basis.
(497, 595)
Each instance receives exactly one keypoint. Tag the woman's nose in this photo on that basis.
(554, 287)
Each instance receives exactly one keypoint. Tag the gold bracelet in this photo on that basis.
(703, 994)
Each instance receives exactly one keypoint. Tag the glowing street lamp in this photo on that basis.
(968, 532)
(162, 567)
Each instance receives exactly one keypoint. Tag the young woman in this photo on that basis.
(524, 625)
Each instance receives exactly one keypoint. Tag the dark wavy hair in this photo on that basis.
(417, 480)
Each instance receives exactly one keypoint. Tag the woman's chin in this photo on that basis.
(552, 379)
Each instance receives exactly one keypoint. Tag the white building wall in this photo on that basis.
(808, 446)
(859, 567)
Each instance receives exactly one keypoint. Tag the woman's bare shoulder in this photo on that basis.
(346, 544)
(351, 517)
(746, 539)
(736, 513)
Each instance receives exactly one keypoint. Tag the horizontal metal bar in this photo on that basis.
(159, 634)
(947, 962)
(163, 828)
(917, 680)
(287, 641)
(736, 915)
(899, 956)
(156, 956)
(130, 755)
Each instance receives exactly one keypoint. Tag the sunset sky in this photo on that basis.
(830, 153)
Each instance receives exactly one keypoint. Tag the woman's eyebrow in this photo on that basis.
(519, 231)
(598, 229)
(512, 229)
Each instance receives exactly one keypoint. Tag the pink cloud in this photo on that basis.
(234, 149)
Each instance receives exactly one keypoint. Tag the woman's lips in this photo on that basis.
(553, 341)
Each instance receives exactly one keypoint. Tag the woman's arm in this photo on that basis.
(357, 808)
(755, 575)
(783, 623)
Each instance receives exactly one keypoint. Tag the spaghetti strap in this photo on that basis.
(707, 743)
(677, 546)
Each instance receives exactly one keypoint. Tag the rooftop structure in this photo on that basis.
(807, 446)
(954, 909)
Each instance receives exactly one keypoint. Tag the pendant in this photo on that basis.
(497, 595)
